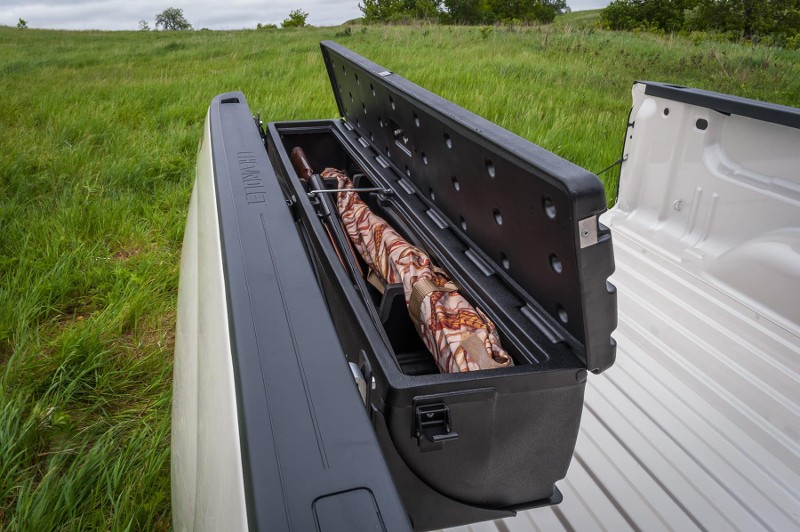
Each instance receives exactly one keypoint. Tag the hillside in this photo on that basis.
(579, 19)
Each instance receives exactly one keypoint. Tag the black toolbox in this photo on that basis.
(517, 229)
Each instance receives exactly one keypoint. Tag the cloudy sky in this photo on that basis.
(213, 14)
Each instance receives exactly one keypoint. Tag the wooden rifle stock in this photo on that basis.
(301, 164)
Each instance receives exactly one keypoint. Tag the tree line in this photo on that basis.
(463, 11)
(173, 19)
(771, 21)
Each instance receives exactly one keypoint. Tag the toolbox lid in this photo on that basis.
(534, 214)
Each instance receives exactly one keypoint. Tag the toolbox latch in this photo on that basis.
(432, 426)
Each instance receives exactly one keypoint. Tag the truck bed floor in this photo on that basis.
(696, 426)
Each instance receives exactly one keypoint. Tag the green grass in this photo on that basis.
(98, 133)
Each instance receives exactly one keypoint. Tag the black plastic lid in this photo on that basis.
(531, 212)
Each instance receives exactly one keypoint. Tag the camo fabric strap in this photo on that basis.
(419, 292)
(476, 348)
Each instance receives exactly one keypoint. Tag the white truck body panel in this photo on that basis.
(697, 425)
(207, 483)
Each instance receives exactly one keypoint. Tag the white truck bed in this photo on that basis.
(697, 425)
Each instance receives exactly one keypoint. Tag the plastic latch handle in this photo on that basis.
(432, 426)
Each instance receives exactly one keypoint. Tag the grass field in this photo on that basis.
(98, 133)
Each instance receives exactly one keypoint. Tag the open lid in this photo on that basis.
(534, 214)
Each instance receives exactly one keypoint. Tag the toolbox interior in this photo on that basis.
(517, 230)
(324, 148)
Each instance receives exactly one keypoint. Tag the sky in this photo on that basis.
(212, 14)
